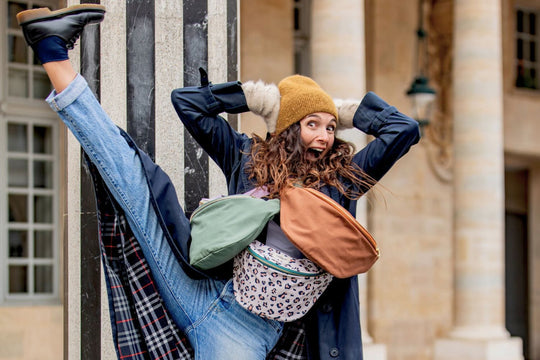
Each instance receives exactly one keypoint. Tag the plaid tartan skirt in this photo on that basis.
(141, 325)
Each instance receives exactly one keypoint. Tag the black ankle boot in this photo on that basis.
(66, 23)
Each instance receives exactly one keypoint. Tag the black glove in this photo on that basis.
(229, 97)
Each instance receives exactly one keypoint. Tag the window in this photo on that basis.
(526, 64)
(302, 31)
(29, 158)
(25, 76)
(30, 200)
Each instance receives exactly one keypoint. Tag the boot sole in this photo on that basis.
(30, 16)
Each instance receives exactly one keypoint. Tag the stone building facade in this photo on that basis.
(457, 219)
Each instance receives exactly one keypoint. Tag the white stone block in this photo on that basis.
(374, 352)
(460, 349)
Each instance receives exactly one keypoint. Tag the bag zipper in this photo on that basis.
(213, 201)
(279, 267)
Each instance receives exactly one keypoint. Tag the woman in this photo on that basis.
(302, 148)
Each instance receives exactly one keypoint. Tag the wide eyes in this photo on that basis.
(313, 124)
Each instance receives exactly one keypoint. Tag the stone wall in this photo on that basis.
(31, 332)
(410, 289)
(521, 125)
(266, 48)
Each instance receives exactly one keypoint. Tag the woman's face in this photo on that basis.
(317, 134)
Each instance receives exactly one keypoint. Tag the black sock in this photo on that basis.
(51, 48)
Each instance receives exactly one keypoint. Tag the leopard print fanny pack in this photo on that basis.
(275, 285)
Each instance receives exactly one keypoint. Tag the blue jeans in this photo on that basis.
(205, 310)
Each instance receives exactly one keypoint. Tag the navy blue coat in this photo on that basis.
(333, 326)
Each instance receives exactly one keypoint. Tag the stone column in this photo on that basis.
(158, 64)
(338, 43)
(114, 101)
(479, 331)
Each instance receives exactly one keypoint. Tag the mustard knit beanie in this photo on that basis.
(301, 96)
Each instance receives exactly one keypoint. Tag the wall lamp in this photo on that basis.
(421, 94)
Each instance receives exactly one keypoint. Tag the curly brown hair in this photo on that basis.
(280, 161)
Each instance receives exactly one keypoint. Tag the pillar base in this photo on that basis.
(477, 349)
(374, 351)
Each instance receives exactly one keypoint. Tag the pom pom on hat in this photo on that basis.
(263, 100)
(346, 110)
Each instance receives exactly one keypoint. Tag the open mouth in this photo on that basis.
(314, 153)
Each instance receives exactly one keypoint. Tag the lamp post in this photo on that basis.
(421, 94)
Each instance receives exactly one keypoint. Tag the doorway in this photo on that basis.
(516, 256)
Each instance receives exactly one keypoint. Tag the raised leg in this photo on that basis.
(216, 325)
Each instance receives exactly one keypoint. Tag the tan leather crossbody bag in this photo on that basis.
(326, 233)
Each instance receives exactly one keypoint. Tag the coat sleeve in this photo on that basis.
(394, 134)
(198, 108)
